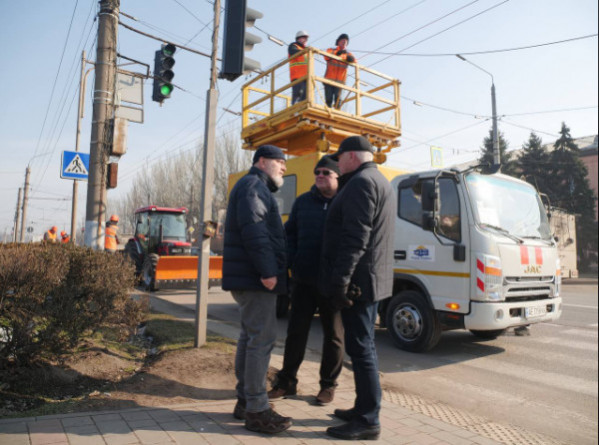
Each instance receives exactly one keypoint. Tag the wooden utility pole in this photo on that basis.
(103, 112)
(207, 189)
(25, 201)
(17, 216)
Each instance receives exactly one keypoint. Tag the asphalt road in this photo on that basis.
(545, 383)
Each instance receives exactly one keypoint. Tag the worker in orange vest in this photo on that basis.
(50, 235)
(298, 66)
(337, 69)
(64, 237)
(111, 240)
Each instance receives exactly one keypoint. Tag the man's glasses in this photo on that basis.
(322, 172)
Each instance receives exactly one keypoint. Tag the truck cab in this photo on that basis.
(472, 251)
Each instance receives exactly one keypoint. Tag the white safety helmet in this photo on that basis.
(301, 34)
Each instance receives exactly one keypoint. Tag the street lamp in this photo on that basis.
(496, 153)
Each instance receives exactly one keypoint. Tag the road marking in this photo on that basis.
(581, 333)
(568, 383)
(532, 350)
(580, 305)
(557, 341)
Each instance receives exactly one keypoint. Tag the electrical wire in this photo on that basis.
(446, 29)
(55, 79)
(472, 53)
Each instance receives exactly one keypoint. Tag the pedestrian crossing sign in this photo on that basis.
(436, 157)
(75, 165)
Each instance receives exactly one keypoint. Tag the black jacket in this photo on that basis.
(254, 245)
(305, 228)
(358, 236)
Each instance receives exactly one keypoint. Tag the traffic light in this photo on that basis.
(237, 40)
(163, 73)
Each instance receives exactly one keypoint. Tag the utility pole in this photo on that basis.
(103, 112)
(25, 200)
(201, 315)
(17, 216)
(496, 152)
(80, 112)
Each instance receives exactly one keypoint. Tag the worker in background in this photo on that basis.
(64, 237)
(111, 240)
(50, 235)
(337, 70)
(298, 66)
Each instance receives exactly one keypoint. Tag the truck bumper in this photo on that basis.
(503, 315)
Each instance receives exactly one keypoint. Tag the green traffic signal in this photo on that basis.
(166, 89)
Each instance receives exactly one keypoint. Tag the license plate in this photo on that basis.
(535, 311)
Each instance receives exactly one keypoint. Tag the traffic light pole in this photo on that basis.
(201, 315)
(103, 111)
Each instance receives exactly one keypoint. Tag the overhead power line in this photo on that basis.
(472, 53)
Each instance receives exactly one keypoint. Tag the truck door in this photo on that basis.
(434, 261)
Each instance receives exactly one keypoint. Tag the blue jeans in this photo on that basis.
(358, 321)
(256, 341)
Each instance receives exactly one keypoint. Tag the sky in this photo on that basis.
(445, 102)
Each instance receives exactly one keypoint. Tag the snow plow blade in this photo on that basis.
(182, 271)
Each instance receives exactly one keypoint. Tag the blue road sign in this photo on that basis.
(75, 165)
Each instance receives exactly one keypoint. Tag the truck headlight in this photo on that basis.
(489, 278)
(558, 278)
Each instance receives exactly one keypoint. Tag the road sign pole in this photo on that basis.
(77, 141)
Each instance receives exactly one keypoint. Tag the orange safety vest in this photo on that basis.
(298, 66)
(336, 69)
(50, 237)
(66, 239)
(110, 238)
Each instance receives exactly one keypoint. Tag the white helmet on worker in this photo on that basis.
(301, 34)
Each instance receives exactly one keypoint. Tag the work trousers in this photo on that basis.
(255, 344)
(358, 321)
(305, 299)
(331, 95)
(298, 92)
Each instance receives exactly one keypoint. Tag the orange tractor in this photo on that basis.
(160, 250)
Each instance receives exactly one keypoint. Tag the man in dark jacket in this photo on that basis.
(255, 271)
(357, 272)
(304, 241)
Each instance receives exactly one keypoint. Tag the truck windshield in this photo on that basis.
(511, 206)
(173, 226)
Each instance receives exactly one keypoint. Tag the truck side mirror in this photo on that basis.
(430, 204)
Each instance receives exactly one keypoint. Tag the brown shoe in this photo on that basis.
(277, 392)
(267, 421)
(239, 410)
(325, 396)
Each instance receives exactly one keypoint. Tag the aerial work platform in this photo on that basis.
(369, 106)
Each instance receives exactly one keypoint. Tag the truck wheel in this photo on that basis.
(489, 335)
(282, 305)
(412, 323)
(148, 272)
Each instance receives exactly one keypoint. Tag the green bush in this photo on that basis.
(52, 294)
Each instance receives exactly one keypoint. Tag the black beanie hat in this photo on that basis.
(269, 152)
(328, 162)
(342, 36)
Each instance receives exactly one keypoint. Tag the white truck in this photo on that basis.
(472, 251)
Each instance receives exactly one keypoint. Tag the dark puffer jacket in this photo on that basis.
(255, 245)
(305, 228)
(358, 235)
